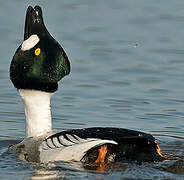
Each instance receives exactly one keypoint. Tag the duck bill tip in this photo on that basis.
(33, 21)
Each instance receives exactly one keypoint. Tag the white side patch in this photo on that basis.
(74, 151)
(30, 42)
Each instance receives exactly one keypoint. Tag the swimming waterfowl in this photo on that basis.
(38, 65)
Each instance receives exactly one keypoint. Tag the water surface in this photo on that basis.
(127, 62)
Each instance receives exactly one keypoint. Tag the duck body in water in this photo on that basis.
(37, 66)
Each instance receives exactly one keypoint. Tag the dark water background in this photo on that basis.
(127, 60)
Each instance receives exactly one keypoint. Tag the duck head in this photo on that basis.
(39, 62)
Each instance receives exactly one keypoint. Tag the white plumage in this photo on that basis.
(65, 150)
(30, 42)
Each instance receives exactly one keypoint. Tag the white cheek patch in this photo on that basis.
(30, 42)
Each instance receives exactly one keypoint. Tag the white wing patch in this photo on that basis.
(68, 147)
(65, 142)
(30, 42)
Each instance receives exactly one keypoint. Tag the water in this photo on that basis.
(127, 62)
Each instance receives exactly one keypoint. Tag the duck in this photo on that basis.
(38, 64)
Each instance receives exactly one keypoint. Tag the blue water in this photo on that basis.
(127, 62)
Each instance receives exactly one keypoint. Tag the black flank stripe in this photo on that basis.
(48, 144)
(74, 136)
(68, 138)
(52, 139)
(60, 141)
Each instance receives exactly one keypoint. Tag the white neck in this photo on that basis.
(37, 111)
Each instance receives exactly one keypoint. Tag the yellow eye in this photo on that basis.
(37, 51)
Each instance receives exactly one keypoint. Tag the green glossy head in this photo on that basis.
(39, 62)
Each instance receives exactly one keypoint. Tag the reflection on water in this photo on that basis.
(169, 169)
(127, 71)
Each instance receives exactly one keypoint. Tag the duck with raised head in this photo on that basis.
(38, 65)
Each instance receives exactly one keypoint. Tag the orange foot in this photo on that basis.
(102, 151)
(160, 152)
